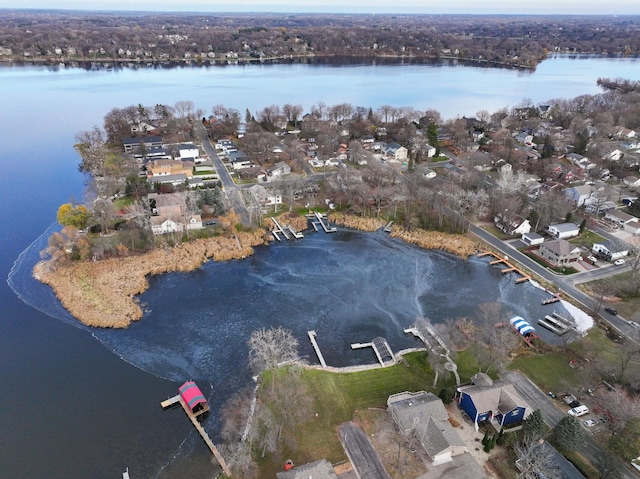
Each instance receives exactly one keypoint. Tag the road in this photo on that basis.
(566, 284)
(538, 399)
(231, 190)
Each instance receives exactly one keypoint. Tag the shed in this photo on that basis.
(532, 239)
(192, 396)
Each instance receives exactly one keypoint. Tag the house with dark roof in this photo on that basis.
(424, 415)
(495, 402)
(559, 252)
(611, 250)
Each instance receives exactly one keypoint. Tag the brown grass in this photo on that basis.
(357, 222)
(102, 293)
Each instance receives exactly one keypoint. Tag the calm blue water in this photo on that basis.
(85, 403)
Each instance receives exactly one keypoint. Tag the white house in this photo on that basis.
(263, 197)
(512, 226)
(620, 218)
(280, 169)
(532, 239)
(429, 150)
(396, 151)
(563, 230)
(610, 251)
(188, 151)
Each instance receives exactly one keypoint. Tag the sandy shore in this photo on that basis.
(103, 293)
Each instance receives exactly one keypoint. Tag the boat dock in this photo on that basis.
(197, 406)
(387, 229)
(553, 299)
(508, 266)
(320, 220)
(286, 231)
(556, 324)
(314, 343)
(382, 350)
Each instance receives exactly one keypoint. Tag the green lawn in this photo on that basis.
(338, 396)
(586, 239)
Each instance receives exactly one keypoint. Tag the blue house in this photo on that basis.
(495, 402)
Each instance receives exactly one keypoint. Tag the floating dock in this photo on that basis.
(194, 404)
(508, 266)
(382, 350)
(556, 324)
(314, 343)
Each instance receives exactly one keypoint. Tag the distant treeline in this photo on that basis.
(619, 84)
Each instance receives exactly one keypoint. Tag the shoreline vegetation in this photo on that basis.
(104, 293)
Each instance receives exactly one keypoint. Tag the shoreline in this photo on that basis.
(105, 293)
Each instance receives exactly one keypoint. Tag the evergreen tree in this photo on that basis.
(485, 439)
(432, 134)
(533, 427)
(568, 433)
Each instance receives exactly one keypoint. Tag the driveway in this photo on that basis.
(360, 451)
(538, 399)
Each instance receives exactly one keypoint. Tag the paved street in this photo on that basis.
(538, 399)
(232, 192)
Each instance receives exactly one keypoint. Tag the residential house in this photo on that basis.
(141, 146)
(579, 195)
(423, 414)
(396, 151)
(610, 250)
(622, 220)
(142, 128)
(239, 160)
(495, 402)
(563, 230)
(170, 214)
(280, 169)
(163, 167)
(532, 239)
(187, 152)
(429, 150)
(512, 225)
(263, 197)
(559, 252)
(321, 469)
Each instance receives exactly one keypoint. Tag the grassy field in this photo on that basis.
(337, 398)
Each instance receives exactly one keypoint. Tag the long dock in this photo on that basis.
(508, 266)
(194, 420)
(381, 348)
(314, 343)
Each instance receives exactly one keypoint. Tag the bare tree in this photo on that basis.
(270, 348)
(493, 343)
(534, 460)
(619, 406)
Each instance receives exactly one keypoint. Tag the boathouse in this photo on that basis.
(193, 397)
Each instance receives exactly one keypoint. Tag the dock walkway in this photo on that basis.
(556, 323)
(508, 266)
(381, 349)
(314, 343)
(194, 420)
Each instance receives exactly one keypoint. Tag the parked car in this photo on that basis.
(578, 411)
(611, 310)
(634, 324)
(590, 422)
(592, 258)
(618, 262)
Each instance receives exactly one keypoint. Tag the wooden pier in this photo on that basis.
(193, 417)
(553, 299)
(508, 266)
(320, 220)
(381, 348)
(556, 324)
(286, 231)
(314, 343)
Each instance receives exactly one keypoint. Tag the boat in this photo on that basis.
(522, 326)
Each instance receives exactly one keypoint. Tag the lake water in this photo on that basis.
(85, 403)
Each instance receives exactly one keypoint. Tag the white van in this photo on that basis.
(578, 411)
